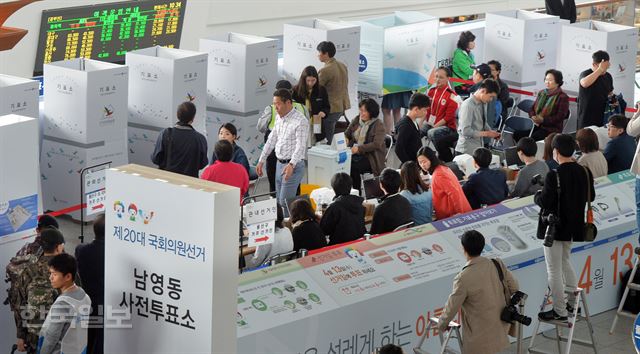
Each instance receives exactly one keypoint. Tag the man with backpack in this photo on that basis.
(31, 294)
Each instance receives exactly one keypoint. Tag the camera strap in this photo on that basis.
(501, 276)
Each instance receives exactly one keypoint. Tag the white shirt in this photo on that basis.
(289, 138)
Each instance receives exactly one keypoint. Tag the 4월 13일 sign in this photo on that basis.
(259, 218)
(94, 191)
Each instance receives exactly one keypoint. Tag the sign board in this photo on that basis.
(162, 273)
(259, 218)
(18, 96)
(635, 333)
(19, 198)
(94, 190)
(392, 274)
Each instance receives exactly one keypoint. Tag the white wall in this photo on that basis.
(257, 17)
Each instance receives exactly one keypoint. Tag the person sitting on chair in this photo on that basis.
(394, 210)
(226, 172)
(550, 109)
(527, 149)
(365, 136)
(621, 148)
(306, 232)
(343, 221)
(486, 186)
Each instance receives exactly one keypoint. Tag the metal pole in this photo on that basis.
(519, 329)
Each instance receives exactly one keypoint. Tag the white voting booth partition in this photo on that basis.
(85, 123)
(448, 36)
(242, 74)
(18, 96)
(19, 184)
(170, 286)
(160, 79)
(525, 43)
(397, 52)
(300, 40)
(580, 40)
(242, 71)
(359, 297)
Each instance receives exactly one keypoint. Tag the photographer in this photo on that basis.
(566, 213)
(478, 290)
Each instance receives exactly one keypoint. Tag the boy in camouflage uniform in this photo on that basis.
(44, 222)
(35, 293)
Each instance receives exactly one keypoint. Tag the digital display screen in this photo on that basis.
(108, 31)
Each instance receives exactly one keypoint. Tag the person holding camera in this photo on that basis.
(562, 222)
(480, 291)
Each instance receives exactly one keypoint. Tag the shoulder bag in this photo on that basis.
(590, 229)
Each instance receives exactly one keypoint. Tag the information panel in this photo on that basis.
(107, 31)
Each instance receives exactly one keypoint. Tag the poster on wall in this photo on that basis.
(242, 71)
(525, 43)
(162, 277)
(408, 52)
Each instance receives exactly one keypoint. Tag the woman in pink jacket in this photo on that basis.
(448, 197)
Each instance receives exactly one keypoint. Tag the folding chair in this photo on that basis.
(525, 106)
(280, 258)
(403, 226)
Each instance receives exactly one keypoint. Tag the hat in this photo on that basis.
(47, 221)
(484, 70)
(283, 84)
(51, 237)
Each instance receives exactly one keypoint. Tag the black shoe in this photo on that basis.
(551, 315)
(570, 310)
(638, 250)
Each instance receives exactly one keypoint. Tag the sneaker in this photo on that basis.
(551, 315)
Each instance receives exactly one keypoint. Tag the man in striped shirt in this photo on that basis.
(289, 139)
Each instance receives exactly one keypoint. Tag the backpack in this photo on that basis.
(40, 295)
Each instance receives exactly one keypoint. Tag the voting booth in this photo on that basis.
(18, 96)
(300, 40)
(19, 184)
(327, 160)
(578, 42)
(160, 79)
(525, 43)
(85, 122)
(241, 79)
(448, 35)
(170, 287)
(397, 52)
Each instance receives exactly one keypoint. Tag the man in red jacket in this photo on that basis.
(440, 125)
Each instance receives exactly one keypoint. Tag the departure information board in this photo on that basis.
(108, 31)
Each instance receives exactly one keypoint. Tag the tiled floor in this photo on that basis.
(618, 343)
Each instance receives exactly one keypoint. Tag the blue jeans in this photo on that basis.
(286, 190)
(638, 204)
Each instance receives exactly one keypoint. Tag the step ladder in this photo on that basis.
(453, 332)
(570, 324)
(630, 286)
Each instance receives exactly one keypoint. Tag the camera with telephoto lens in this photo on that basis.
(550, 220)
(510, 312)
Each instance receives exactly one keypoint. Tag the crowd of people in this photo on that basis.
(456, 118)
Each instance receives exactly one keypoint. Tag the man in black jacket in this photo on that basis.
(407, 132)
(566, 9)
(181, 149)
(576, 182)
(394, 210)
(90, 258)
(344, 219)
